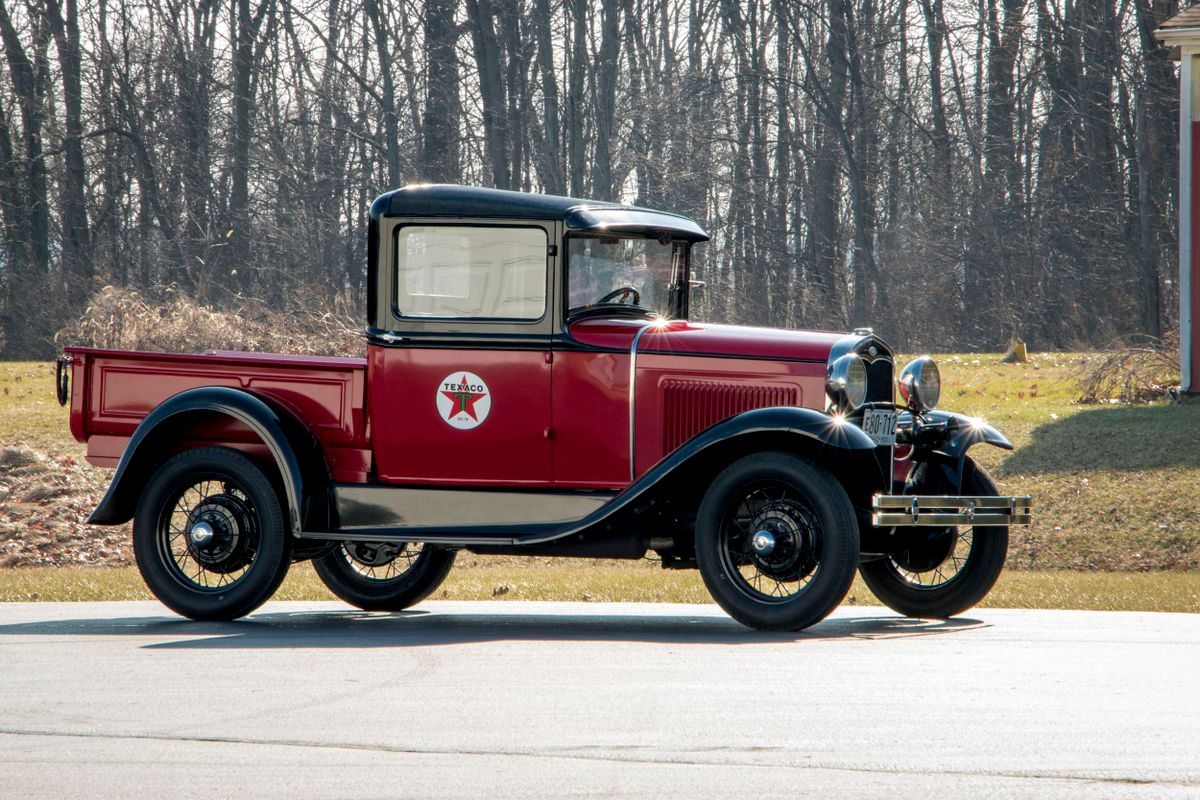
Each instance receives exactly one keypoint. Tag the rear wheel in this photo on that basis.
(208, 535)
(384, 576)
(940, 572)
(776, 541)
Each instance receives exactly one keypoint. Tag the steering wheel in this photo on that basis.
(621, 292)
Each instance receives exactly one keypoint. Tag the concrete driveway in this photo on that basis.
(515, 699)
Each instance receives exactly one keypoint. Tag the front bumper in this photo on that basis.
(894, 510)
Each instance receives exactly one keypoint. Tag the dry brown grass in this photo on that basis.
(124, 319)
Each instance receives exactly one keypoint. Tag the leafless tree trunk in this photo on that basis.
(439, 126)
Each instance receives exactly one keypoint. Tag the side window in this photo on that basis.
(464, 271)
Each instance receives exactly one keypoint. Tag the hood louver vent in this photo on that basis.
(690, 406)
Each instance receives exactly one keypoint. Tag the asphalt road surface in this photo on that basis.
(511, 699)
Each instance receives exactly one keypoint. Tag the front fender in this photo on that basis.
(168, 419)
(758, 430)
(954, 434)
(829, 439)
(945, 437)
(826, 429)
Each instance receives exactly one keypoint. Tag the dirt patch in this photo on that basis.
(44, 500)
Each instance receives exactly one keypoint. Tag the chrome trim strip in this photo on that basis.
(632, 383)
(389, 535)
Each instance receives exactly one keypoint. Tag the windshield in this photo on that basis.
(640, 274)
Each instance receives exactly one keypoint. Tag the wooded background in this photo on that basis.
(956, 173)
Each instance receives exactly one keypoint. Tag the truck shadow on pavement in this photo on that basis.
(358, 629)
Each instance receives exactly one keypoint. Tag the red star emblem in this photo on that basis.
(463, 399)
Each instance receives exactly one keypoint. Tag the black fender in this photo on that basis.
(827, 429)
(140, 457)
(945, 437)
(963, 432)
(821, 435)
(831, 441)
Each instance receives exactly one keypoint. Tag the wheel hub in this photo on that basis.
(217, 533)
(928, 549)
(782, 545)
(373, 555)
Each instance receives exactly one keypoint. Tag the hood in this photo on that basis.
(700, 339)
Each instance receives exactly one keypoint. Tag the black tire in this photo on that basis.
(948, 570)
(812, 533)
(246, 551)
(387, 577)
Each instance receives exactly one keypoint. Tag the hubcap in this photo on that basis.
(764, 543)
(201, 533)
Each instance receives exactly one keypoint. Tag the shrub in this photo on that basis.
(125, 319)
(1139, 370)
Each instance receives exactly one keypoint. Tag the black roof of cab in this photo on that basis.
(594, 216)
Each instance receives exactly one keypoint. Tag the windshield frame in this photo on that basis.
(676, 305)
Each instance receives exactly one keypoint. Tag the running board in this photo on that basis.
(890, 510)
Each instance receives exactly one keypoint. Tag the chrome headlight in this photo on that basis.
(846, 381)
(921, 384)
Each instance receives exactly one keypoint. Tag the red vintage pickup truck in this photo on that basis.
(533, 386)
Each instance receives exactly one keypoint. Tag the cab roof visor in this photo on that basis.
(578, 215)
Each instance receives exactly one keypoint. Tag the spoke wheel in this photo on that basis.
(208, 535)
(384, 576)
(771, 543)
(776, 541)
(940, 572)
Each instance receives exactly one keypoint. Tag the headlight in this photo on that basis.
(921, 384)
(846, 381)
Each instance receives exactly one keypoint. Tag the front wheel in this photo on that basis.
(776, 542)
(384, 576)
(939, 572)
(208, 535)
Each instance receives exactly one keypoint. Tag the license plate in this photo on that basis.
(880, 426)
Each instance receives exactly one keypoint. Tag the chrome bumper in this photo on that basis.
(888, 510)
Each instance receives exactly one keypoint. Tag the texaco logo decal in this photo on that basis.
(463, 400)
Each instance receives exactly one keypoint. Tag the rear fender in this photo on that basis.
(284, 437)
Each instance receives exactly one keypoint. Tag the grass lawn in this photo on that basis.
(1113, 486)
(1115, 526)
(477, 578)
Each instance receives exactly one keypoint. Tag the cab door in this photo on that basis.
(460, 392)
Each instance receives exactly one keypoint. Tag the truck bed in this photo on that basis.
(112, 390)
